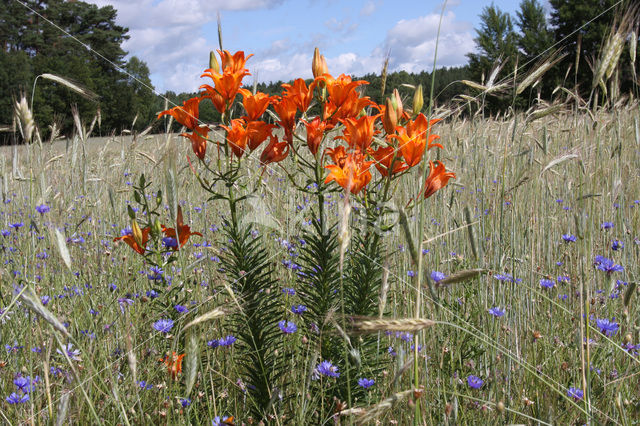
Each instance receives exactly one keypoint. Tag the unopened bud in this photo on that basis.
(137, 232)
(213, 62)
(628, 338)
(418, 100)
(390, 118)
(319, 64)
(397, 104)
(157, 228)
(500, 407)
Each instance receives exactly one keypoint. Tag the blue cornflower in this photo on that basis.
(506, 277)
(288, 291)
(575, 393)
(411, 273)
(563, 296)
(42, 208)
(45, 300)
(5, 232)
(181, 309)
(474, 382)
(170, 242)
(607, 265)
(298, 309)
(145, 385)
(152, 294)
(617, 245)
(14, 398)
(155, 273)
(287, 327)
(606, 225)
(164, 325)
(568, 238)
(546, 283)
(608, 328)
(227, 341)
(496, 312)
(366, 383)
(23, 384)
(327, 369)
(563, 279)
(213, 343)
(391, 351)
(437, 276)
(185, 402)
(16, 225)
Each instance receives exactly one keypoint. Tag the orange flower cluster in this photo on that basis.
(140, 244)
(342, 106)
(174, 364)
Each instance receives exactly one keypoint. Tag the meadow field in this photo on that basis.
(542, 328)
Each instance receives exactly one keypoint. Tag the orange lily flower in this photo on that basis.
(300, 93)
(131, 241)
(255, 105)
(384, 156)
(187, 114)
(353, 175)
(275, 151)
(174, 364)
(359, 132)
(315, 133)
(411, 147)
(340, 88)
(420, 127)
(258, 132)
(286, 110)
(198, 140)
(235, 62)
(226, 86)
(184, 231)
(237, 136)
(337, 154)
(437, 179)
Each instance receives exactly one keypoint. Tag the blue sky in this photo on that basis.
(174, 37)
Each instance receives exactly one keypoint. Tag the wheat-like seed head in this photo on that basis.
(366, 325)
(25, 119)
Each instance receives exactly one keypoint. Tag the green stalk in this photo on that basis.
(418, 295)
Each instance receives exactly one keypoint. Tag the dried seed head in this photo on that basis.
(25, 118)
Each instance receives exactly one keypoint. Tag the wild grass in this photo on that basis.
(525, 183)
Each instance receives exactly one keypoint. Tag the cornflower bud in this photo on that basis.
(418, 100)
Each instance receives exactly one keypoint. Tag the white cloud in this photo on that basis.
(368, 8)
(412, 42)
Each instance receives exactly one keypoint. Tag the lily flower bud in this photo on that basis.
(137, 232)
(397, 104)
(390, 117)
(213, 62)
(418, 100)
(319, 64)
(156, 230)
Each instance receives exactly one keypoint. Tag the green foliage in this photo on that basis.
(31, 46)
(535, 36)
(496, 43)
(250, 275)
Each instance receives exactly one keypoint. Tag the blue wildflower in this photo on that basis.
(568, 238)
(298, 309)
(326, 368)
(227, 341)
(608, 328)
(437, 276)
(287, 327)
(606, 225)
(575, 393)
(366, 383)
(474, 382)
(546, 283)
(617, 245)
(42, 208)
(181, 309)
(164, 325)
(496, 312)
(607, 265)
(14, 398)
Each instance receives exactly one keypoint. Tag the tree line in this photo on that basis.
(506, 47)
